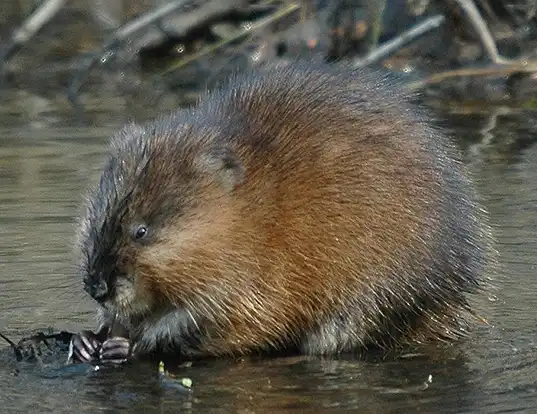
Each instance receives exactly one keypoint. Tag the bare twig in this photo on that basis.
(376, 11)
(41, 16)
(116, 39)
(502, 69)
(185, 22)
(9, 341)
(145, 20)
(107, 13)
(282, 12)
(400, 41)
(479, 25)
(16, 348)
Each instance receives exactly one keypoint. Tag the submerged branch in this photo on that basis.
(16, 348)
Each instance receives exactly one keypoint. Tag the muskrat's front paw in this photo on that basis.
(116, 350)
(85, 347)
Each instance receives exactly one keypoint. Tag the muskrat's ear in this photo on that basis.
(227, 166)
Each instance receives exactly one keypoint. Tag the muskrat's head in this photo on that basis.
(156, 200)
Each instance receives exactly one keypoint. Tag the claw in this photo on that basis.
(84, 347)
(116, 350)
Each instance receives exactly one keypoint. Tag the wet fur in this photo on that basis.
(306, 207)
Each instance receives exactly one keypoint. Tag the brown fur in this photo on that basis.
(307, 207)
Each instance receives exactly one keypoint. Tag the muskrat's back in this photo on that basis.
(306, 207)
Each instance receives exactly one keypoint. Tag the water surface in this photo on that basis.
(43, 173)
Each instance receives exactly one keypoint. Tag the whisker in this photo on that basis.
(193, 320)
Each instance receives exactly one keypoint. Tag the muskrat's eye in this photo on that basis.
(140, 232)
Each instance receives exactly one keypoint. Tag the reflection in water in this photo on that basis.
(42, 180)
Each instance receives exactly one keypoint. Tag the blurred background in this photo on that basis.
(145, 56)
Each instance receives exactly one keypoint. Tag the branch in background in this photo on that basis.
(375, 12)
(116, 39)
(280, 13)
(44, 13)
(180, 25)
(503, 69)
(479, 25)
(108, 14)
(145, 20)
(393, 45)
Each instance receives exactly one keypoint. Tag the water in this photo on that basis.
(43, 173)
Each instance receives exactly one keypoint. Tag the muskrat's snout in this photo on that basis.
(109, 286)
(97, 288)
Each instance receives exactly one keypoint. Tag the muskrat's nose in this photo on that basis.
(98, 290)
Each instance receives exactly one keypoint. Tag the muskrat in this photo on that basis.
(306, 208)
